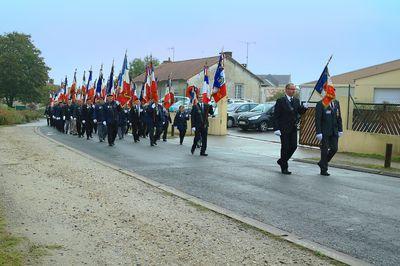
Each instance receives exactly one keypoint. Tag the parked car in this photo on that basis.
(230, 101)
(179, 100)
(260, 118)
(235, 109)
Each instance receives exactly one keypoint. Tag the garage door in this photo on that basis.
(388, 95)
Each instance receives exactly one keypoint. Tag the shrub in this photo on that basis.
(10, 116)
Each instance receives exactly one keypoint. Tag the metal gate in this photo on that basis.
(307, 135)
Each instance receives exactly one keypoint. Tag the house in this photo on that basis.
(241, 82)
(273, 84)
(374, 84)
(370, 107)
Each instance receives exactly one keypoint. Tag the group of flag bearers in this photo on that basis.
(76, 113)
(114, 109)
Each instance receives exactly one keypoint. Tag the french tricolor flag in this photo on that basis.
(205, 91)
(219, 87)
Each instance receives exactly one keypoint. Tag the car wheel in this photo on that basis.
(230, 122)
(264, 126)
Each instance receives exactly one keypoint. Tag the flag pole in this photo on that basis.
(327, 63)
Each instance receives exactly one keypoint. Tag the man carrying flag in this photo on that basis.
(219, 87)
(328, 120)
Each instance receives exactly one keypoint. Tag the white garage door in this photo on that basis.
(388, 95)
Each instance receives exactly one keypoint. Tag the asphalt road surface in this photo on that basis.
(352, 212)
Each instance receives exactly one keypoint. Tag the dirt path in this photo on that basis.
(99, 216)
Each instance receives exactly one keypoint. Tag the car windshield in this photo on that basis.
(232, 106)
(262, 108)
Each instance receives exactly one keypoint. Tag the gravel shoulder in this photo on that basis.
(98, 216)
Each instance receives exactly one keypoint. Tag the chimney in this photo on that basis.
(228, 54)
(244, 65)
(167, 61)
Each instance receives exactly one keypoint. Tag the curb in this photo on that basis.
(352, 168)
(292, 238)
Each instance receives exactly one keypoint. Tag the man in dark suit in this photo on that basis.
(328, 125)
(112, 109)
(135, 115)
(286, 115)
(199, 119)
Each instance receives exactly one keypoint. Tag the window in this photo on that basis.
(239, 91)
(243, 108)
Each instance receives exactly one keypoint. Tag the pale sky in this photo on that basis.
(291, 37)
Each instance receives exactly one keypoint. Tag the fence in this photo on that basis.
(376, 118)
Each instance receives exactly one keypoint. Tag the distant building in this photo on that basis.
(273, 84)
(241, 83)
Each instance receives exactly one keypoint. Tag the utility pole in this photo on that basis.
(247, 51)
(173, 52)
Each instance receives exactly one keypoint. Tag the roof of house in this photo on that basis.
(350, 77)
(276, 80)
(184, 70)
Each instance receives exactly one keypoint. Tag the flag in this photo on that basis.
(219, 87)
(99, 85)
(153, 88)
(325, 87)
(125, 87)
(72, 90)
(134, 96)
(64, 97)
(143, 96)
(110, 83)
(83, 87)
(169, 97)
(148, 84)
(205, 91)
(192, 92)
(90, 87)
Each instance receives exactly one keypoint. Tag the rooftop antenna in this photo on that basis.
(247, 51)
(173, 52)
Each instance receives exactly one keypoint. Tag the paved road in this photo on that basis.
(352, 212)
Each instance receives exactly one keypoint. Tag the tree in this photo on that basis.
(280, 93)
(138, 66)
(23, 72)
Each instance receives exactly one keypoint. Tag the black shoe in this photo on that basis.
(192, 150)
(164, 140)
(286, 172)
(324, 173)
(180, 143)
(155, 143)
(151, 144)
(87, 138)
(203, 154)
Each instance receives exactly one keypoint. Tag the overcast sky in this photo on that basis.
(291, 37)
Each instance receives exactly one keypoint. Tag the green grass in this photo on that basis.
(372, 156)
(10, 116)
(19, 250)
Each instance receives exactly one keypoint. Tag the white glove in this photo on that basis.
(305, 105)
(117, 102)
(70, 117)
(193, 129)
(277, 132)
(319, 136)
(54, 117)
(104, 123)
(95, 120)
(340, 134)
(126, 111)
(64, 117)
(74, 118)
(83, 121)
(153, 105)
(130, 123)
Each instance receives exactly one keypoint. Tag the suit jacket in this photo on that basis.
(328, 121)
(112, 110)
(199, 115)
(135, 115)
(286, 114)
(180, 120)
(99, 113)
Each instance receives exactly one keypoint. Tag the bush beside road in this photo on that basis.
(10, 116)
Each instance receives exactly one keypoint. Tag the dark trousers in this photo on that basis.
(88, 128)
(79, 128)
(288, 147)
(182, 134)
(95, 127)
(143, 129)
(111, 132)
(200, 133)
(152, 135)
(135, 131)
(329, 147)
(165, 130)
(48, 121)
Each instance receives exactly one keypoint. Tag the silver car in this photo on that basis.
(235, 109)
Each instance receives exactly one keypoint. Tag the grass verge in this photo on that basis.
(10, 116)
